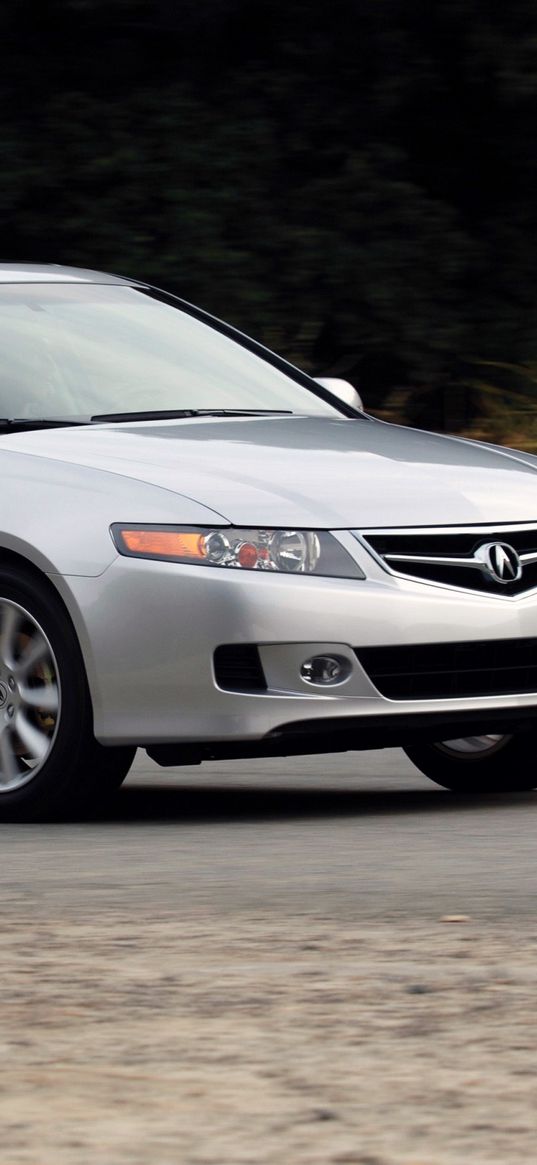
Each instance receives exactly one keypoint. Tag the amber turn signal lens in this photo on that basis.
(165, 543)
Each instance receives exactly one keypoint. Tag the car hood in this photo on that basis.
(306, 471)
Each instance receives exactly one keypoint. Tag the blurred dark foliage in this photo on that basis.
(354, 182)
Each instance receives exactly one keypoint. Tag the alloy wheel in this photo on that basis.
(30, 697)
(473, 746)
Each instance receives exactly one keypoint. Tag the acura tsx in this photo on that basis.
(206, 553)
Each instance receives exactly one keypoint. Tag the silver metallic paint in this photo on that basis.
(56, 273)
(148, 629)
(307, 471)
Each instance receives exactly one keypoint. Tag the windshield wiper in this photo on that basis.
(179, 414)
(243, 412)
(150, 415)
(19, 424)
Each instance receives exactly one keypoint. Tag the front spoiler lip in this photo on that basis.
(401, 726)
(349, 734)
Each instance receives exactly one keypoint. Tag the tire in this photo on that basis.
(50, 763)
(112, 768)
(480, 764)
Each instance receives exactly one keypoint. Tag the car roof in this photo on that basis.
(55, 273)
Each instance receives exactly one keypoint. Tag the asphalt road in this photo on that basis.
(359, 835)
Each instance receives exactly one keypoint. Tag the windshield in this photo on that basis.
(73, 350)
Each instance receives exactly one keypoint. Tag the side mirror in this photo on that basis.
(343, 390)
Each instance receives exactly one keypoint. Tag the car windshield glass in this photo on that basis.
(81, 350)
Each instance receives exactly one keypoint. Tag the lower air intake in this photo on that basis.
(432, 671)
(237, 668)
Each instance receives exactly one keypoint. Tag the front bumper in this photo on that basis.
(148, 631)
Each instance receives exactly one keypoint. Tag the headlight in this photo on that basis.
(286, 551)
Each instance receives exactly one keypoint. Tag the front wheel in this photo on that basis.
(50, 762)
(480, 764)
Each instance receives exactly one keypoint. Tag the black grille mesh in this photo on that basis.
(442, 670)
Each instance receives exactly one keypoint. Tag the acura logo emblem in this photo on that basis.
(500, 561)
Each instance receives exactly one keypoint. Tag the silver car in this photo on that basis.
(205, 553)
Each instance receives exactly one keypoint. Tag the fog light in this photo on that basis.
(325, 670)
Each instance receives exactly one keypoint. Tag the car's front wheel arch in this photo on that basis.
(47, 710)
(496, 763)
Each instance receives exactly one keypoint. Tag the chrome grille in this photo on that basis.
(460, 556)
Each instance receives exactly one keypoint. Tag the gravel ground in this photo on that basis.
(183, 1039)
(152, 1016)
